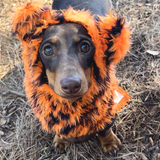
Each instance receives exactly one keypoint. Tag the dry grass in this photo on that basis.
(138, 125)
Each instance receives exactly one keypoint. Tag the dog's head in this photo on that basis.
(67, 54)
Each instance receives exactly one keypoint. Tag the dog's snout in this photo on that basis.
(71, 85)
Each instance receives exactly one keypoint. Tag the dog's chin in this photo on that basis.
(71, 98)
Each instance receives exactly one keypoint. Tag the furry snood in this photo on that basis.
(104, 98)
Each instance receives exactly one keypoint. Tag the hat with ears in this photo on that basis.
(104, 98)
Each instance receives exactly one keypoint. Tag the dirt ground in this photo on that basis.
(137, 125)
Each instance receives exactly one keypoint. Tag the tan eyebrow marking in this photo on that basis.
(77, 39)
(54, 39)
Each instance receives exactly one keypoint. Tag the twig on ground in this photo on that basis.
(17, 93)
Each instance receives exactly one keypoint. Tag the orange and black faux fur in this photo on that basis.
(104, 98)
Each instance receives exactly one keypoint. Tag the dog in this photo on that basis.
(69, 57)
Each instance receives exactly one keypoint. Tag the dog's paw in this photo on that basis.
(59, 148)
(59, 145)
(112, 148)
(110, 143)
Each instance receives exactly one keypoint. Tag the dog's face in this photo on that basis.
(67, 53)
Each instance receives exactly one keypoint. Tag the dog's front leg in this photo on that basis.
(59, 144)
(109, 141)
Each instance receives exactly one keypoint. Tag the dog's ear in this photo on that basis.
(115, 35)
(27, 19)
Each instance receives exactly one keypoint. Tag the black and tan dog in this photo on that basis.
(69, 58)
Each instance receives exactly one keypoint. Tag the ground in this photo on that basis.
(137, 125)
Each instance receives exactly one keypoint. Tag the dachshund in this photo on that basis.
(70, 53)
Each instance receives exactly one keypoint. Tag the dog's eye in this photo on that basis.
(48, 50)
(85, 47)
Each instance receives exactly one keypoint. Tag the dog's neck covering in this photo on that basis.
(104, 98)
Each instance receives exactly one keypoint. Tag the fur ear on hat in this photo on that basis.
(28, 18)
(116, 36)
(25, 19)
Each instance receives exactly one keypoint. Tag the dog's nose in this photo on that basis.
(71, 85)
